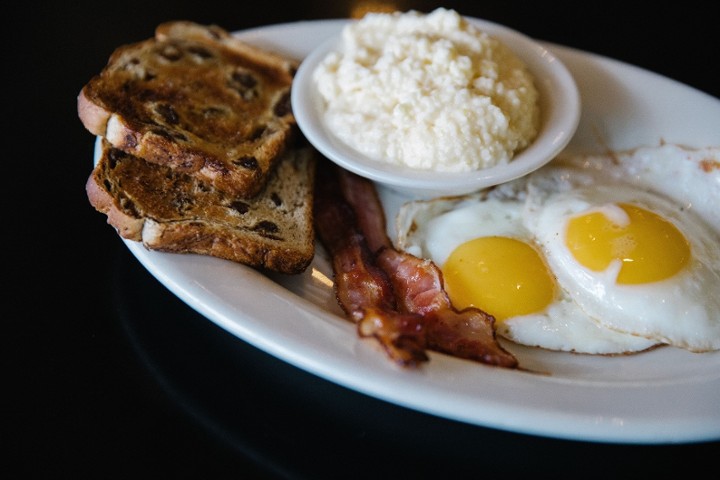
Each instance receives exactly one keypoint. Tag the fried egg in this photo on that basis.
(591, 254)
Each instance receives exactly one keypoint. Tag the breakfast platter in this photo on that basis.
(665, 395)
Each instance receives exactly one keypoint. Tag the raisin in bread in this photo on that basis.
(199, 100)
(172, 211)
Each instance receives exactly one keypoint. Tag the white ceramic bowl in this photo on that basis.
(559, 101)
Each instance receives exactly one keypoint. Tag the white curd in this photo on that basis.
(430, 91)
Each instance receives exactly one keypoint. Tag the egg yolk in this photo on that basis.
(649, 247)
(503, 276)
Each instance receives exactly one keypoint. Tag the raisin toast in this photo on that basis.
(196, 99)
(169, 210)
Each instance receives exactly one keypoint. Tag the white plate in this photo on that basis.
(664, 396)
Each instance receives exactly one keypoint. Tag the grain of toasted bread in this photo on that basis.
(168, 210)
(197, 99)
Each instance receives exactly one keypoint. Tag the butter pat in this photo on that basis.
(429, 91)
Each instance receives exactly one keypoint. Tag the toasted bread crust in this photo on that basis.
(198, 100)
(172, 211)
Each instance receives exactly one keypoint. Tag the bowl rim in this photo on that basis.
(560, 109)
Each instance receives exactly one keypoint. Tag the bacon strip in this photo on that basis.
(363, 289)
(469, 333)
(362, 198)
(418, 286)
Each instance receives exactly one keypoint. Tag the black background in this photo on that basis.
(111, 376)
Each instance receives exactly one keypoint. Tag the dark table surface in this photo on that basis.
(111, 375)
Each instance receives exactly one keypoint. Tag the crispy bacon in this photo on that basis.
(418, 286)
(468, 333)
(362, 198)
(363, 290)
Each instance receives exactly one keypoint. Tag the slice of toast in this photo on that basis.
(172, 211)
(199, 100)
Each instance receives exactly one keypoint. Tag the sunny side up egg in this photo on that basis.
(591, 254)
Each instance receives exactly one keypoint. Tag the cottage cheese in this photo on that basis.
(430, 91)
